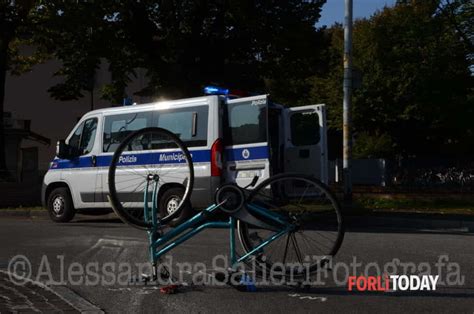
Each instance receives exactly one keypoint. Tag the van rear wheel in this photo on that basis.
(169, 202)
(60, 206)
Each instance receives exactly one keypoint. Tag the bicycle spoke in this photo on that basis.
(286, 247)
(297, 249)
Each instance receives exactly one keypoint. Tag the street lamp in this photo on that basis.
(347, 103)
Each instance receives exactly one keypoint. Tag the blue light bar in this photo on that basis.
(214, 90)
(128, 101)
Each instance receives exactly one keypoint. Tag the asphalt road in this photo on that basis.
(54, 247)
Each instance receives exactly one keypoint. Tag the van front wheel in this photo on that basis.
(60, 206)
(169, 202)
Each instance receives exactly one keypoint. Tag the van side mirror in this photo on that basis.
(63, 150)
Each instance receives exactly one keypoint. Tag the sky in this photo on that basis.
(333, 10)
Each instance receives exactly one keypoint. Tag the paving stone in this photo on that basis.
(29, 298)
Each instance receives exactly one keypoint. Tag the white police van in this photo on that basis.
(231, 140)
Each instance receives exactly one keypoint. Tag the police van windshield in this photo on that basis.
(245, 123)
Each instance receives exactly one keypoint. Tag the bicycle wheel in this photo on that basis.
(148, 157)
(313, 211)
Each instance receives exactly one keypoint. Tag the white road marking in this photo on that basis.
(118, 246)
(307, 297)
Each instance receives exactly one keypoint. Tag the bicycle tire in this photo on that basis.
(263, 261)
(159, 133)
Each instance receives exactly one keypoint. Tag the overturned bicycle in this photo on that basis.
(281, 221)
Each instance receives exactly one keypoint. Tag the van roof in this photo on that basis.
(162, 104)
(158, 105)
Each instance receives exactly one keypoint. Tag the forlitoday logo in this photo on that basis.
(392, 283)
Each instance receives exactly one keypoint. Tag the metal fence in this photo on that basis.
(446, 173)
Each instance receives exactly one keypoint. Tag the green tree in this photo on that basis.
(183, 45)
(460, 14)
(81, 35)
(416, 82)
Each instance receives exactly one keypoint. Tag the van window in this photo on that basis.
(245, 123)
(88, 136)
(76, 136)
(189, 124)
(117, 127)
(304, 128)
(83, 137)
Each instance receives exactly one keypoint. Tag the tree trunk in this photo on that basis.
(3, 74)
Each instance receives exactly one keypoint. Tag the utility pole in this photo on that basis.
(92, 98)
(347, 103)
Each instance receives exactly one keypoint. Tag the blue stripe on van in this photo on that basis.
(163, 158)
(132, 159)
(246, 153)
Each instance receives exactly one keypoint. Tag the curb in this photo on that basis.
(23, 213)
(75, 300)
(66, 294)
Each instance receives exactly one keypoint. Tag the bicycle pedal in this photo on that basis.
(247, 284)
(164, 275)
(239, 281)
(135, 279)
(221, 277)
(145, 278)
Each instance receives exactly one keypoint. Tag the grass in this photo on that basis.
(380, 205)
(373, 204)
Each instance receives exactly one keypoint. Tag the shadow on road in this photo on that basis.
(467, 293)
(342, 291)
(363, 224)
(107, 221)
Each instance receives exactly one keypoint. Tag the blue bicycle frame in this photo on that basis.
(160, 245)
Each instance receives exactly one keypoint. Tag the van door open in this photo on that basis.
(306, 142)
(245, 132)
